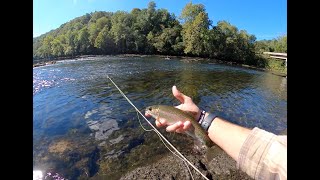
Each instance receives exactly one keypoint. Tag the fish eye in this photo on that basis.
(150, 108)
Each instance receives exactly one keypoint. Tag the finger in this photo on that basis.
(176, 93)
(174, 126)
(179, 130)
(158, 124)
(186, 125)
(179, 106)
(161, 122)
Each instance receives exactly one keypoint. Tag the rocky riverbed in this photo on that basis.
(171, 167)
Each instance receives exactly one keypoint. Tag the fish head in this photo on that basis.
(153, 111)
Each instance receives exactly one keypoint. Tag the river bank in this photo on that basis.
(44, 62)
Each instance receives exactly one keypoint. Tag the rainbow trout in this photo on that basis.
(173, 115)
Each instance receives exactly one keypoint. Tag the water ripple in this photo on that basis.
(74, 101)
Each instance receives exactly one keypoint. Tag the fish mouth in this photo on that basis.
(149, 110)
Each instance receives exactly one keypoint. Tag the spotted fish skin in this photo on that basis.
(173, 115)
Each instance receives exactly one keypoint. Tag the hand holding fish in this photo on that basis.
(186, 105)
(232, 138)
(249, 147)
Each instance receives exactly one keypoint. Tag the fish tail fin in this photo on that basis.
(191, 133)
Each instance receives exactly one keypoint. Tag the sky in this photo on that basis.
(266, 19)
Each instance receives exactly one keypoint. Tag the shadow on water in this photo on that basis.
(83, 127)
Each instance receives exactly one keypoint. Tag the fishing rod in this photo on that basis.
(156, 130)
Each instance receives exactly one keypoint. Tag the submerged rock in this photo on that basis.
(89, 113)
(116, 140)
(60, 146)
(93, 125)
(103, 129)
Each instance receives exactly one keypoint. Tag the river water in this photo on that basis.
(83, 127)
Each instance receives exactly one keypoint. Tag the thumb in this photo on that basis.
(180, 96)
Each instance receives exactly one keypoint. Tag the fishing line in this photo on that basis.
(185, 163)
(156, 130)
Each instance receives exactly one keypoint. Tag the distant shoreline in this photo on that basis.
(44, 62)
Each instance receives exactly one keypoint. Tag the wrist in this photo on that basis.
(208, 118)
(206, 115)
(201, 116)
(197, 117)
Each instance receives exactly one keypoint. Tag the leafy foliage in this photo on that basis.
(154, 31)
(275, 45)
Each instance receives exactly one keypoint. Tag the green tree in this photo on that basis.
(281, 44)
(70, 46)
(165, 34)
(93, 32)
(261, 46)
(57, 48)
(154, 31)
(234, 45)
(37, 44)
(274, 45)
(166, 42)
(46, 50)
(104, 42)
(103, 22)
(190, 12)
(99, 14)
(195, 31)
(83, 40)
(122, 32)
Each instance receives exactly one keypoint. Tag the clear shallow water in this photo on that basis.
(83, 127)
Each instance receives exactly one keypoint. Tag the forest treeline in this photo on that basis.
(154, 31)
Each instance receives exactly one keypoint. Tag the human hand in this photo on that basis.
(186, 105)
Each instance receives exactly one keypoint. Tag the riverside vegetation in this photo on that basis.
(157, 32)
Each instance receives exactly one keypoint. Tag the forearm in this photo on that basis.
(230, 137)
(261, 154)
